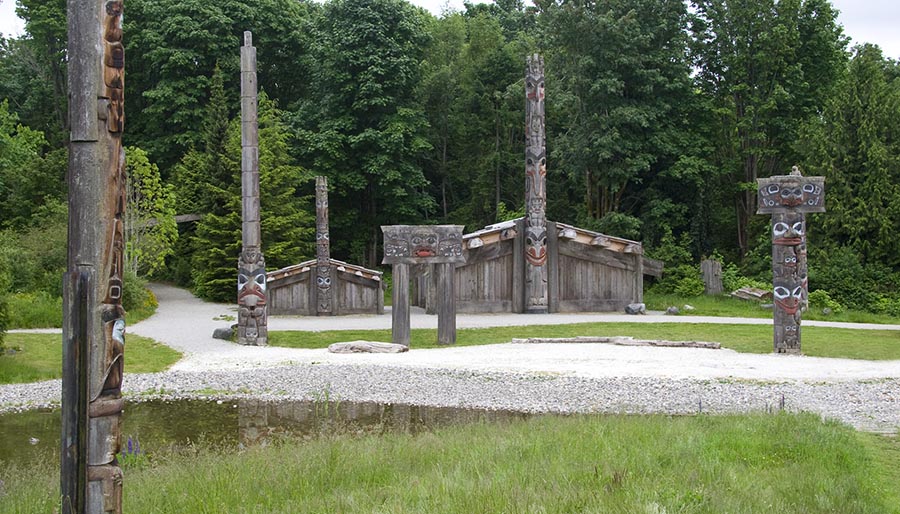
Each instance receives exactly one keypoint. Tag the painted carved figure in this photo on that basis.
(108, 358)
(423, 244)
(787, 198)
(324, 296)
(536, 292)
(251, 298)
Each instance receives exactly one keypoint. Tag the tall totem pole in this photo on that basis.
(787, 198)
(252, 323)
(93, 317)
(324, 298)
(536, 293)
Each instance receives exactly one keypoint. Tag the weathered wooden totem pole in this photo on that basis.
(787, 198)
(324, 297)
(536, 292)
(252, 323)
(440, 245)
(93, 317)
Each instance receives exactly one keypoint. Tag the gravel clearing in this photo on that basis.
(546, 377)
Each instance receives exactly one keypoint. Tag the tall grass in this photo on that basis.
(39, 357)
(733, 464)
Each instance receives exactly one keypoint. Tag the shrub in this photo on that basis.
(35, 309)
(683, 280)
(135, 295)
(820, 299)
(732, 279)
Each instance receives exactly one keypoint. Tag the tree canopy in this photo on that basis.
(660, 117)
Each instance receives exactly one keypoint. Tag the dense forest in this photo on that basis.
(660, 118)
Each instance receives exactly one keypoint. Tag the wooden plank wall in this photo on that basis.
(485, 282)
(588, 285)
(352, 295)
(291, 297)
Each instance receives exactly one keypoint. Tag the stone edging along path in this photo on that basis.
(534, 377)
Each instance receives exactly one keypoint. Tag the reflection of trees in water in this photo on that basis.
(262, 421)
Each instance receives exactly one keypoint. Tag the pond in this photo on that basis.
(171, 426)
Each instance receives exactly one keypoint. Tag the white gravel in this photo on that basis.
(551, 377)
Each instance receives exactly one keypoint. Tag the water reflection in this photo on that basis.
(174, 426)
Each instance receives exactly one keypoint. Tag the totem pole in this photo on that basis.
(440, 245)
(787, 198)
(252, 327)
(536, 292)
(323, 251)
(94, 320)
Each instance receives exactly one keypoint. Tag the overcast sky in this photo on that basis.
(871, 21)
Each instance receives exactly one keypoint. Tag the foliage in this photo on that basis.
(619, 76)
(856, 145)
(287, 224)
(766, 67)
(362, 128)
(150, 228)
(173, 47)
(683, 280)
(820, 299)
(659, 119)
(732, 279)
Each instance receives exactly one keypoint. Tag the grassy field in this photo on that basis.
(727, 306)
(39, 357)
(817, 341)
(735, 464)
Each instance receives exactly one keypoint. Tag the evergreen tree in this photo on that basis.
(288, 227)
(856, 145)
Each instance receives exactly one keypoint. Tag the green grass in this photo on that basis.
(817, 341)
(39, 357)
(42, 310)
(721, 464)
(727, 306)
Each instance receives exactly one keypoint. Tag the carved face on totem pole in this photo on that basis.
(788, 294)
(251, 281)
(788, 229)
(788, 192)
(416, 244)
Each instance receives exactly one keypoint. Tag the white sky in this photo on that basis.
(872, 21)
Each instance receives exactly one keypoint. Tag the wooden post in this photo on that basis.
(93, 317)
(400, 305)
(787, 198)
(712, 276)
(324, 299)
(441, 245)
(446, 302)
(251, 299)
(536, 294)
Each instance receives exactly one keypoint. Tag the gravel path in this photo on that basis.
(582, 377)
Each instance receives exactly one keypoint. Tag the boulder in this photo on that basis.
(223, 333)
(636, 308)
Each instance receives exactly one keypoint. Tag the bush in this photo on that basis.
(135, 295)
(36, 309)
(850, 282)
(732, 279)
(683, 280)
(820, 299)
